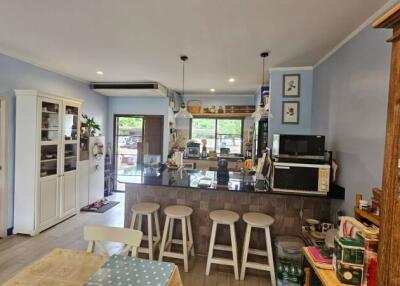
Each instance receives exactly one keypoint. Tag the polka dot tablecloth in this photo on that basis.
(129, 271)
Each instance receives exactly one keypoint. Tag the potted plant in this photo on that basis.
(91, 127)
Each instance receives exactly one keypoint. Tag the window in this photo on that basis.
(220, 133)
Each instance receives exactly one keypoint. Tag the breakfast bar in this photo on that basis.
(190, 188)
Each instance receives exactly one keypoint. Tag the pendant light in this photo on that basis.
(183, 113)
(261, 111)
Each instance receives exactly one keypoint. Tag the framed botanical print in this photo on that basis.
(290, 112)
(291, 85)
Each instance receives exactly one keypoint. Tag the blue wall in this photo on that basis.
(276, 99)
(349, 107)
(139, 105)
(15, 74)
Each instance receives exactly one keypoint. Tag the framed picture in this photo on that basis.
(290, 112)
(291, 85)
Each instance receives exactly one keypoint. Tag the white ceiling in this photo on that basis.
(131, 40)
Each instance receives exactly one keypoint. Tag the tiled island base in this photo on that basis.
(285, 209)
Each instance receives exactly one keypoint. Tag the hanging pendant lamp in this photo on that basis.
(261, 111)
(183, 113)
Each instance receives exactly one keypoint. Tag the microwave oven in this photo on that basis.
(300, 178)
(286, 146)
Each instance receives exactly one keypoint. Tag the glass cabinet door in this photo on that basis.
(71, 114)
(70, 123)
(50, 130)
(50, 122)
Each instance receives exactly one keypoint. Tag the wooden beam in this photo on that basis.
(389, 250)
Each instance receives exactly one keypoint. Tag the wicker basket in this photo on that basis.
(194, 106)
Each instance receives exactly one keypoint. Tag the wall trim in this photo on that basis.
(4, 163)
(365, 24)
(306, 68)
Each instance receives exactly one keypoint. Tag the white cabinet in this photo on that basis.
(48, 201)
(83, 183)
(69, 194)
(91, 173)
(46, 157)
(96, 168)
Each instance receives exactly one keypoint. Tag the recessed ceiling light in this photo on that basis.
(99, 72)
(231, 79)
(212, 89)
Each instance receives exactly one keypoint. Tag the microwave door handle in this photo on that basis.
(282, 167)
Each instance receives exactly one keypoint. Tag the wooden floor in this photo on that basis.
(18, 251)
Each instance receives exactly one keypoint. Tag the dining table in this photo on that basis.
(73, 267)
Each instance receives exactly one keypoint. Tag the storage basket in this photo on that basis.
(194, 106)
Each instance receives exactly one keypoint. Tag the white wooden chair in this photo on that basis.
(97, 234)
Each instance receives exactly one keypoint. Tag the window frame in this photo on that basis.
(216, 128)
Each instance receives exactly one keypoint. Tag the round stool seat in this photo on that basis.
(224, 216)
(258, 219)
(145, 208)
(178, 211)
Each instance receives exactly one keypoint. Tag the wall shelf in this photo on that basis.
(223, 115)
(364, 215)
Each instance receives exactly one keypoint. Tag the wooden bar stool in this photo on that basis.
(258, 220)
(149, 210)
(226, 218)
(173, 213)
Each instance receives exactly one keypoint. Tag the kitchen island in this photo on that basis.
(191, 188)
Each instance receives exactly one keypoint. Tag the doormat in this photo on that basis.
(99, 209)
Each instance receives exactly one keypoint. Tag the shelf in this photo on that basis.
(47, 143)
(50, 112)
(361, 214)
(223, 115)
(69, 157)
(71, 141)
(48, 160)
(367, 216)
(49, 129)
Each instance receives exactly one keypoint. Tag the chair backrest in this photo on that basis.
(97, 234)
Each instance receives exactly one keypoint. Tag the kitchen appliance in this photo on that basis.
(178, 158)
(260, 138)
(222, 172)
(286, 147)
(224, 151)
(301, 178)
(193, 150)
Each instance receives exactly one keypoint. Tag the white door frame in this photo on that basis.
(4, 166)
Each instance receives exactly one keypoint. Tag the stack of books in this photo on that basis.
(320, 259)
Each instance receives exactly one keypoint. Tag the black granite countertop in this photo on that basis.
(200, 179)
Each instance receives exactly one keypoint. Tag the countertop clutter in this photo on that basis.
(200, 179)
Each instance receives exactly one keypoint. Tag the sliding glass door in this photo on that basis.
(137, 147)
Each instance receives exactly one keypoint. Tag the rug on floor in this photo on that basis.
(101, 209)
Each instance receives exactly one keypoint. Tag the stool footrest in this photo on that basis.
(223, 247)
(179, 241)
(258, 252)
(222, 261)
(258, 266)
(155, 238)
(173, 254)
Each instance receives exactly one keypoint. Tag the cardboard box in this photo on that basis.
(349, 273)
(348, 250)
